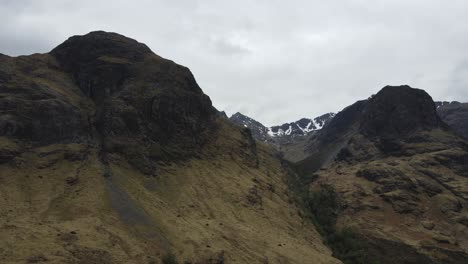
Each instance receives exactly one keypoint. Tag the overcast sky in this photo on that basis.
(273, 60)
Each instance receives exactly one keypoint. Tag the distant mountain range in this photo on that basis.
(291, 138)
(282, 133)
(112, 154)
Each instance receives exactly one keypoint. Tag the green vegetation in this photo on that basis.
(169, 258)
(322, 208)
(349, 248)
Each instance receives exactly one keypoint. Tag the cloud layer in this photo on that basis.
(276, 61)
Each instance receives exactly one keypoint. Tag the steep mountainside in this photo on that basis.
(388, 178)
(455, 114)
(112, 154)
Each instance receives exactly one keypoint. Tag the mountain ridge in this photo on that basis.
(387, 160)
(110, 153)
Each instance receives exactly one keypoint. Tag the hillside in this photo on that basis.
(387, 182)
(112, 154)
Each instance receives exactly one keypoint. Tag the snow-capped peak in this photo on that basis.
(300, 127)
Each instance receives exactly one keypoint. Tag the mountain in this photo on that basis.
(284, 133)
(301, 127)
(386, 181)
(289, 139)
(258, 130)
(455, 114)
(110, 153)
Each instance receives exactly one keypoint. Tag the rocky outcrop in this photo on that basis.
(394, 164)
(34, 106)
(106, 88)
(258, 130)
(395, 111)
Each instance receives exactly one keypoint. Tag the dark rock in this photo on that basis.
(75, 156)
(222, 114)
(463, 219)
(390, 252)
(72, 180)
(100, 62)
(457, 161)
(259, 131)
(450, 205)
(390, 179)
(442, 239)
(37, 259)
(253, 197)
(390, 145)
(431, 188)
(455, 114)
(403, 203)
(109, 90)
(45, 119)
(428, 225)
(342, 123)
(344, 154)
(398, 110)
(250, 148)
(7, 155)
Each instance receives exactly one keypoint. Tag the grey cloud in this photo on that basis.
(459, 82)
(229, 47)
(274, 60)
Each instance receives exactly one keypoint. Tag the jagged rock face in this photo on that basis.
(109, 88)
(343, 122)
(150, 95)
(395, 166)
(35, 105)
(388, 118)
(455, 114)
(258, 130)
(100, 62)
(399, 110)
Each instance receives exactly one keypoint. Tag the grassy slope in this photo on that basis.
(56, 205)
(411, 214)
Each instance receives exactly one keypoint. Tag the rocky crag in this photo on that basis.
(394, 179)
(455, 114)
